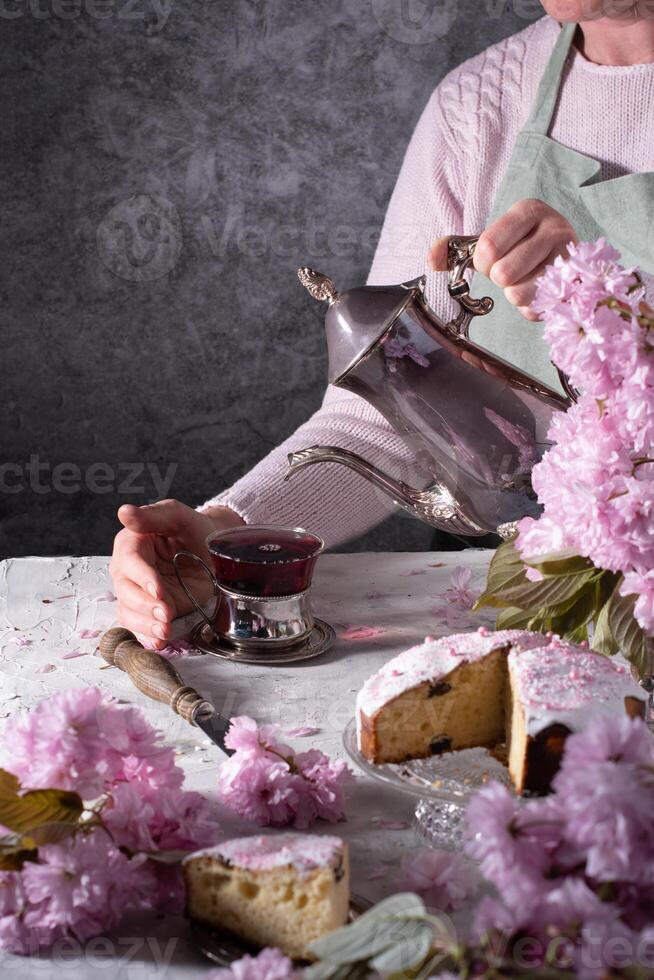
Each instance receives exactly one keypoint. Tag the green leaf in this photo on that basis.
(51, 832)
(549, 593)
(574, 615)
(371, 933)
(35, 808)
(562, 563)
(512, 618)
(505, 571)
(14, 852)
(9, 785)
(603, 639)
(629, 636)
(409, 950)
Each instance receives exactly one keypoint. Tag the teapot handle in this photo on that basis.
(460, 254)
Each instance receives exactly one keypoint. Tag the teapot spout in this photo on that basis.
(435, 505)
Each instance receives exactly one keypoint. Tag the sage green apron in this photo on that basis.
(621, 210)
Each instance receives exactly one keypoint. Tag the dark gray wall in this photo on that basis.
(166, 165)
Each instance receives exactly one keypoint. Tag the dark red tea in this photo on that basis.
(264, 561)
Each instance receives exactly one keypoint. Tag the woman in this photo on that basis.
(544, 138)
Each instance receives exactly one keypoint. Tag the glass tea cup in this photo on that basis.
(261, 579)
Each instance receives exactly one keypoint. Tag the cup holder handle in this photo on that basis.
(189, 595)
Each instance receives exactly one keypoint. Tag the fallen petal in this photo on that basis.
(362, 632)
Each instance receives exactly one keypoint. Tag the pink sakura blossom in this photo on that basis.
(180, 648)
(267, 783)
(81, 887)
(270, 964)
(596, 483)
(458, 592)
(146, 819)
(82, 741)
(444, 879)
(579, 862)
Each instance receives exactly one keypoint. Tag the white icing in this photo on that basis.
(570, 685)
(304, 852)
(434, 659)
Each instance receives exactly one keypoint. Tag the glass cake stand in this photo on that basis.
(441, 784)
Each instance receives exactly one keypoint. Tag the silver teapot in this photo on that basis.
(476, 424)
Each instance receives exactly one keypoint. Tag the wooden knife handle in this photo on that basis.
(153, 675)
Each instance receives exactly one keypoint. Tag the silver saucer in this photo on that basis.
(320, 640)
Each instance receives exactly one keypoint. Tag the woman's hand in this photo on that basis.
(149, 596)
(514, 251)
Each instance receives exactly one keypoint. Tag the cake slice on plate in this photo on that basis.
(481, 689)
(284, 890)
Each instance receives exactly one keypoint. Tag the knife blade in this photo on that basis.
(156, 677)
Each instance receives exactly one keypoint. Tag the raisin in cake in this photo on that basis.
(470, 690)
(284, 890)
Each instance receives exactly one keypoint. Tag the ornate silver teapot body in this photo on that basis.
(476, 424)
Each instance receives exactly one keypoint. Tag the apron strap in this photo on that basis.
(540, 118)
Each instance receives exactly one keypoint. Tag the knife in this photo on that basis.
(156, 677)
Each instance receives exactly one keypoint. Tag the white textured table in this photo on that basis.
(45, 603)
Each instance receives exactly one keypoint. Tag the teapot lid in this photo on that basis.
(357, 318)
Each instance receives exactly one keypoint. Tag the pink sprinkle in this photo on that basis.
(483, 631)
(88, 634)
(302, 731)
(362, 632)
(107, 597)
(45, 669)
(72, 654)
(391, 824)
(22, 641)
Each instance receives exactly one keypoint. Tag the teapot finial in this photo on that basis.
(321, 287)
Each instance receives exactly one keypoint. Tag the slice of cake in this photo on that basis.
(284, 890)
(555, 690)
(444, 694)
(481, 689)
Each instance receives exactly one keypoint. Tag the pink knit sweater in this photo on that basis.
(451, 172)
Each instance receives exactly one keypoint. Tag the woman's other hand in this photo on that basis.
(149, 596)
(514, 250)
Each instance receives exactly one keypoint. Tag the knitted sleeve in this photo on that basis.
(327, 498)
